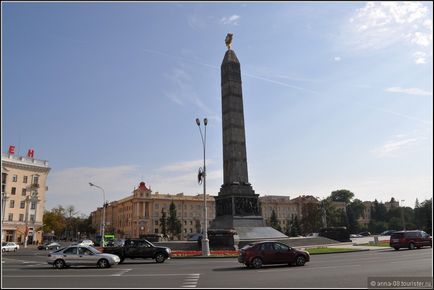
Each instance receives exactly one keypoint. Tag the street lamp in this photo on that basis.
(402, 213)
(202, 175)
(103, 212)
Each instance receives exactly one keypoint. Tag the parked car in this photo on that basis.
(81, 256)
(365, 234)
(85, 243)
(355, 236)
(410, 239)
(387, 233)
(139, 248)
(49, 246)
(194, 237)
(255, 255)
(10, 247)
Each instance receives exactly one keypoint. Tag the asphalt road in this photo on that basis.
(347, 270)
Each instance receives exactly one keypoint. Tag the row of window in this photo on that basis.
(21, 217)
(14, 191)
(35, 179)
(22, 204)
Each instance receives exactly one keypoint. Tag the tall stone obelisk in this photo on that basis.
(237, 205)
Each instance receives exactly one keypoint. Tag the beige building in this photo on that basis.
(140, 213)
(23, 197)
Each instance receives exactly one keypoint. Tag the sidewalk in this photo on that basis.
(352, 246)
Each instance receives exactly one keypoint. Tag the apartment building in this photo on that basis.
(23, 196)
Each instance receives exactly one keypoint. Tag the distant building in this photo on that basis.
(140, 213)
(23, 197)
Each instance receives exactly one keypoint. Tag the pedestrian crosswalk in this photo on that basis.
(191, 281)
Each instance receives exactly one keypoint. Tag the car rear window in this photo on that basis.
(397, 235)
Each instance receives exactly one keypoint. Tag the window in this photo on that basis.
(281, 247)
(11, 217)
(14, 190)
(71, 251)
(156, 231)
(23, 192)
(24, 179)
(22, 204)
(35, 179)
(21, 217)
(156, 223)
(12, 204)
(33, 205)
(14, 178)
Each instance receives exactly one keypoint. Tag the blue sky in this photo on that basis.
(336, 95)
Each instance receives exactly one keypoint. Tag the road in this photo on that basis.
(348, 270)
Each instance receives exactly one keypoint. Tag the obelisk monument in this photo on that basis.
(237, 205)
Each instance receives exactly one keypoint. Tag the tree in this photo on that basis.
(163, 222)
(294, 229)
(311, 218)
(173, 223)
(274, 223)
(354, 210)
(342, 195)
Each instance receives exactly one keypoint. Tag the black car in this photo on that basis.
(49, 246)
(139, 248)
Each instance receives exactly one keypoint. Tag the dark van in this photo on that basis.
(410, 239)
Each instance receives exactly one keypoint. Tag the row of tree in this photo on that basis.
(65, 224)
(324, 214)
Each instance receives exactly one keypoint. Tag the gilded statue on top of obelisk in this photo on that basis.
(228, 40)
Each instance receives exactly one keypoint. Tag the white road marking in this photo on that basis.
(123, 271)
(191, 281)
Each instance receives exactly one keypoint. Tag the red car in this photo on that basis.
(410, 239)
(260, 253)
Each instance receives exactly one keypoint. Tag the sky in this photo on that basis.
(337, 95)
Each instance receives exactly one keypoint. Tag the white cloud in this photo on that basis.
(379, 25)
(71, 186)
(337, 58)
(409, 91)
(231, 20)
(186, 165)
(419, 57)
(393, 146)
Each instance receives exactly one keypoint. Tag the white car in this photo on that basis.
(86, 243)
(10, 247)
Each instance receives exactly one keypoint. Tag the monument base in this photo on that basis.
(227, 231)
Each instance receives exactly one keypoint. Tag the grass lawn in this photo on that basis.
(315, 251)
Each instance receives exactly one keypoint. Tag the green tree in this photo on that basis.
(354, 211)
(342, 195)
(274, 223)
(295, 227)
(163, 222)
(311, 218)
(173, 223)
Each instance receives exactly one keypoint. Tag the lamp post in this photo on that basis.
(402, 213)
(103, 212)
(205, 241)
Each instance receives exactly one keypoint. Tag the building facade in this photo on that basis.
(140, 213)
(23, 197)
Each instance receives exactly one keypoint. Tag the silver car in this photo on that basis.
(81, 256)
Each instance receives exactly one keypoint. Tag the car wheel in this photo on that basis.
(396, 248)
(256, 263)
(103, 263)
(411, 246)
(160, 257)
(59, 264)
(300, 261)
